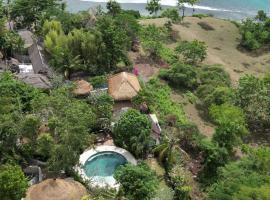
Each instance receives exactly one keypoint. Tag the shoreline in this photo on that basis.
(78, 5)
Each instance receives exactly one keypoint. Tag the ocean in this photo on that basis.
(226, 9)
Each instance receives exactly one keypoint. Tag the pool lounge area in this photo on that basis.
(98, 165)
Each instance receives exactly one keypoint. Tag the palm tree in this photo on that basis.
(166, 151)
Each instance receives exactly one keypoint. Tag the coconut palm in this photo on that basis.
(166, 151)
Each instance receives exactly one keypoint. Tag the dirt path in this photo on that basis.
(194, 115)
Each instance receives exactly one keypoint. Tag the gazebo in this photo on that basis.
(59, 189)
(123, 86)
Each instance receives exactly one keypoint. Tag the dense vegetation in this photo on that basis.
(255, 32)
(55, 126)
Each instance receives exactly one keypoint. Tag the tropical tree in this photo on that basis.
(192, 52)
(132, 132)
(247, 178)
(261, 16)
(181, 5)
(166, 151)
(13, 182)
(113, 8)
(151, 38)
(137, 182)
(116, 43)
(29, 12)
(180, 180)
(153, 6)
(70, 122)
(231, 125)
(252, 96)
(181, 76)
(171, 13)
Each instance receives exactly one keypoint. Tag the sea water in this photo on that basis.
(229, 9)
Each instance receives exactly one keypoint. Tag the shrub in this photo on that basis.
(13, 182)
(171, 13)
(252, 96)
(135, 13)
(180, 76)
(214, 75)
(132, 132)
(246, 178)
(231, 125)
(98, 81)
(254, 34)
(192, 52)
(137, 182)
(180, 181)
(218, 96)
(151, 38)
(158, 98)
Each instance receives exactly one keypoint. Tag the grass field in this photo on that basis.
(222, 42)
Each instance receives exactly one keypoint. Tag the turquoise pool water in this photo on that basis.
(103, 165)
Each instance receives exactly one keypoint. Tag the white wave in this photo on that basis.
(167, 3)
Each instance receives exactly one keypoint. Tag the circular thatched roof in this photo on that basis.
(82, 88)
(58, 189)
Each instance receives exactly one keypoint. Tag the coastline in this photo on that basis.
(78, 5)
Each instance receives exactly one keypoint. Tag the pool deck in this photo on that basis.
(88, 153)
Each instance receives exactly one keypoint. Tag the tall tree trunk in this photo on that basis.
(183, 12)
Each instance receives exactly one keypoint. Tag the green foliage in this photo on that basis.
(214, 157)
(130, 25)
(116, 42)
(250, 193)
(15, 95)
(70, 121)
(168, 55)
(252, 96)
(171, 13)
(103, 108)
(29, 127)
(192, 52)
(214, 75)
(201, 15)
(52, 26)
(180, 181)
(181, 5)
(153, 6)
(113, 7)
(158, 98)
(13, 182)
(166, 152)
(137, 182)
(29, 12)
(151, 38)
(132, 132)
(247, 178)
(98, 81)
(180, 76)
(231, 125)
(10, 43)
(261, 16)
(45, 144)
(135, 13)
(254, 34)
(218, 96)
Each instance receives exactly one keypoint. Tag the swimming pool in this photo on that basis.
(98, 165)
(101, 166)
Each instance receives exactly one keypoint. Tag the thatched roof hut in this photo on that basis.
(58, 189)
(83, 88)
(123, 86)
